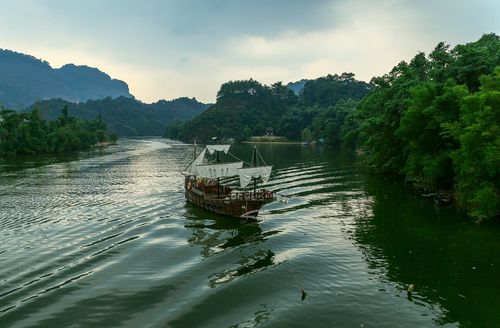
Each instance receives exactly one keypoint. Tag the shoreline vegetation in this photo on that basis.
(272, 142)
(270, 139)
(28, 133)
(433, 121)
(104, 144)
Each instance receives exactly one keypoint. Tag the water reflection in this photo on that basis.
(260, 317)
(105, 309)
(154, 260)
(217, 234)
(451, 262)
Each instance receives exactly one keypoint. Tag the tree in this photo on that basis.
(427, 146)
(477, 161)
(333, 123)
(27, 133)
(328, 90)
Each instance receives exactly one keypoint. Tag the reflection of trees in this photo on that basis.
(217, 233)
(452, 263)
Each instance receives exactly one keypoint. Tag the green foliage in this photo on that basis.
(475, 59)
(242, 107)
(334, 123)
(126, 116)
(306, 135)
(173, 130)
(296, 119)
(379, 113)
(436, 119)
(328, 90)
(477, 161)
(426, 144)
(27, 133)
(247, 108)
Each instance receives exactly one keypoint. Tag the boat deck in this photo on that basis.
(226, 201)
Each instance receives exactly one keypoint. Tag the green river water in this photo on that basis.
(106, 239)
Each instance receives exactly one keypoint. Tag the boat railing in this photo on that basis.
(211, 190)
(250, 195)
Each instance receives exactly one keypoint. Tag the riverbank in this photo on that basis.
(271, 139)
(104, 144)
(273, 142)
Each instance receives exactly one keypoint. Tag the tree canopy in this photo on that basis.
(27, 133)
(247, 108)
(436, 120)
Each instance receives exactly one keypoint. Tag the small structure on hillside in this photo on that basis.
(269, 131)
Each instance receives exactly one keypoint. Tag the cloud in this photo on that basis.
(167, 48)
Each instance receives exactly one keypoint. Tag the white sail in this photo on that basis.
(213, 148)
(246, 175)
(221, 170)
(198, 161)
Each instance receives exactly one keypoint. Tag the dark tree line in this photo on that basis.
(436, 120)
(27, 133)
(247, 108)
(243, 109)
(126, 116)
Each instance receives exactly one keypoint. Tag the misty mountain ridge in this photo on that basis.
(25, 80)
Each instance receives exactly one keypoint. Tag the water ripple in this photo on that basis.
(108, 240)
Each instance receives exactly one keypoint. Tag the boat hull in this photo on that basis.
(240, 205)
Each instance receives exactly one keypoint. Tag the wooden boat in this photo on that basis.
(203, 186)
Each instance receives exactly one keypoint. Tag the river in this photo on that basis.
(106, 239)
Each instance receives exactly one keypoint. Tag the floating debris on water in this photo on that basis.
(410, 291)
(304, 294)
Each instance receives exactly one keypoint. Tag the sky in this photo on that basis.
(166, 49)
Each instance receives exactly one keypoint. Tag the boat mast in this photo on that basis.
(218, 161)
(194, 148)
(254, 163)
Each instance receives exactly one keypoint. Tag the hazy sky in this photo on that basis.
(166, 49)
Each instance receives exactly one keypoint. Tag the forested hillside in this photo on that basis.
(125, 116)
(243, 109)
(321, 108)
(248, 108)
(25, 79)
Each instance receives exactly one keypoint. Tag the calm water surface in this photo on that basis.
(106, 239)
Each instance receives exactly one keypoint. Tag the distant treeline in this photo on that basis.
(27, 133)
(434, 120)
(248, 108)
(126, 116)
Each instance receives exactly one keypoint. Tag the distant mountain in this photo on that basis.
(25, 79)
(297, 87)
(125, 116)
